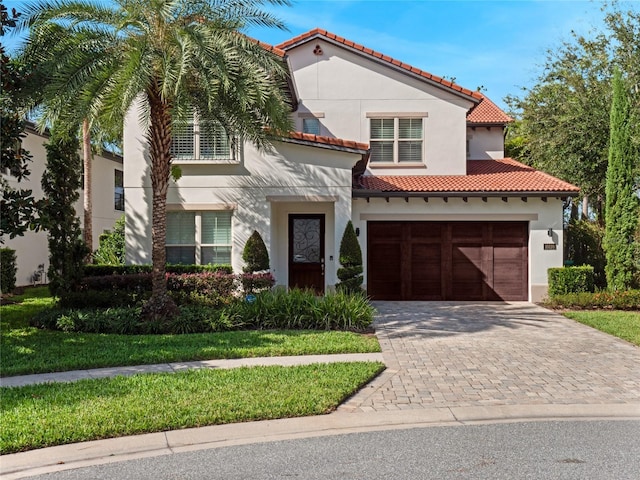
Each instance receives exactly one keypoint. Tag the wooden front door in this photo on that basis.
(306, 251)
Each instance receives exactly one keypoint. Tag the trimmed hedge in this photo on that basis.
(570, 280)
(256, 282)
(101, 270)
(8, 270)
(625, 300)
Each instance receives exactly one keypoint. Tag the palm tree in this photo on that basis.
(170, 59)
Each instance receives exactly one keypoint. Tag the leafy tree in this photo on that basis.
(622, 202)
(168, 59)
(17, 205)
(60, 184)
(564, 118)
(350, 274)
(112, 244)
(255, 254)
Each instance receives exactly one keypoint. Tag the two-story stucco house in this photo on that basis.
(415, 161)
(32, 248)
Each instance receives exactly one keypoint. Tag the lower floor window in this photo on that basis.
(199, 237)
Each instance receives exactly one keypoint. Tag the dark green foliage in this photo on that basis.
(17, 205)
(111, 249)
(60, 183)
(570, 280)
(584, 247)
(296, 309)
(622, 200)
(303, 309)
(350, 274)
(255, 254)
(100, 270)
(619, 300)
(8, 270)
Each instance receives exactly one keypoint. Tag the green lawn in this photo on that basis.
(622, 324)
(54, 414)
(26, 350)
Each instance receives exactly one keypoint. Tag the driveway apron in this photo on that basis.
(445, 354)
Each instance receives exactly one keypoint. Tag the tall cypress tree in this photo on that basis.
(60, 183)
(622, 202)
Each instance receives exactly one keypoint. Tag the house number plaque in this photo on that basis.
(550, 246)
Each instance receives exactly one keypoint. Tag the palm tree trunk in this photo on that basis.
(88, 204)
(160, 305)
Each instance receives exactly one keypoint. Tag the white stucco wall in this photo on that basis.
(540, 215)
(485, 143)
(32, 248)
(262, 189)
(344, 87)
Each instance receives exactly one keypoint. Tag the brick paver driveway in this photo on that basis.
(443, 354)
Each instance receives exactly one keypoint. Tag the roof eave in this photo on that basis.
(365, 193)
(310, 143)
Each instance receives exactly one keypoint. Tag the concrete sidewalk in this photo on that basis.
(75, 375)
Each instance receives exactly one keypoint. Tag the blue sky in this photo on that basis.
(499, 45)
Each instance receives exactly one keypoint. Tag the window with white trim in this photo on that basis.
(396, 140)
(199, 238)
(199, 141)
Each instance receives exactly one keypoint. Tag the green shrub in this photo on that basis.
(570, 280)
(8, 270)
(255, 254)
(303, 309)
(256, 282)
(271, 310)
(618, 300)
(102, 270)
(111, 249)
(584, 247)
(350, 274)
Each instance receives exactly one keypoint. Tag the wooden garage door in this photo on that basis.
(447, 260)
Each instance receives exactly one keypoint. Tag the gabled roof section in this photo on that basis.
(326, 142)
(487, 113)
(433, 79)
(484, 178)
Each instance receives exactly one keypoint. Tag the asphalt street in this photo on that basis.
(535, 450)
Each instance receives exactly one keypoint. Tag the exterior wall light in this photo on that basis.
(550, 232)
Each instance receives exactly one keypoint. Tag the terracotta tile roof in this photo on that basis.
(489, 176)
(487, 112)
(329, 141)
(319, 32)
(270, 48)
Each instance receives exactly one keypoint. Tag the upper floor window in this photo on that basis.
(396, 140)
(199, 237)
(311, 125)
(118, 191)
(199, 141)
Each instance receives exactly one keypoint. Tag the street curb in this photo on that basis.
(66, 457)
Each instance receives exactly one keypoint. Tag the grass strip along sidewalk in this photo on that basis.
(55, 414)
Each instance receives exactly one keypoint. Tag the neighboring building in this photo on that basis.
(32, 249)
(440, 214)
